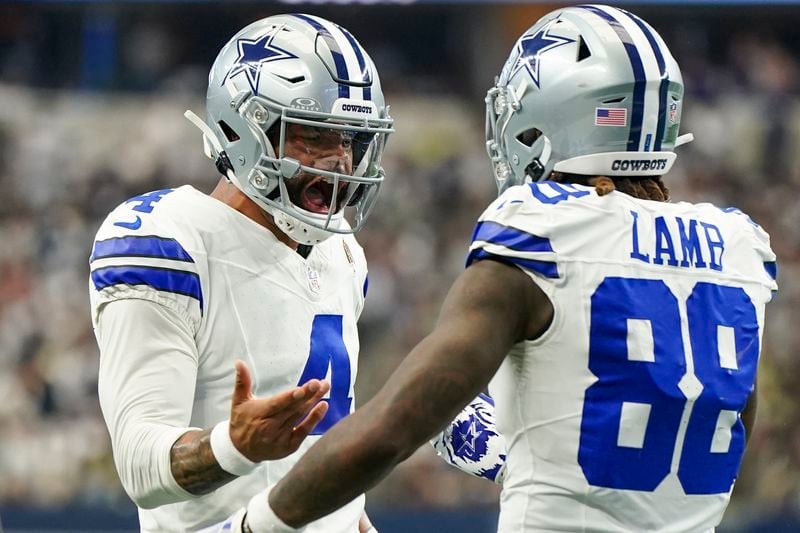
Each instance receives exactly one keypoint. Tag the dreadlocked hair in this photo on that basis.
(645, 188)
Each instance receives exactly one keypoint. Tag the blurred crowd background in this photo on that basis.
(91, 103)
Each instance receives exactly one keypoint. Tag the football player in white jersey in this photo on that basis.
(621, 333)
(265, 269)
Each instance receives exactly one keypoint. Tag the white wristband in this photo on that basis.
(229, 458)
(261, 518)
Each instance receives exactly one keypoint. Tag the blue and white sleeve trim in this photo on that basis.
(150, 261)
(492, 240)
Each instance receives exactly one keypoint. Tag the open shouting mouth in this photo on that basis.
(317, 195)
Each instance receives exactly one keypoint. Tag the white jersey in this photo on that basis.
(241, 294)
(625, 414)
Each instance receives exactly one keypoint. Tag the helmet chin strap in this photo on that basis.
(536, 170)
(299, 231)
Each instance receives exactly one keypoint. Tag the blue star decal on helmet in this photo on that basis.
(253, 53)
(531, 47)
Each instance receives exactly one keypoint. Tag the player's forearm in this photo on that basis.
(364, 447)
(194, 466)
(146, 387)
(141, 454)
(316, 489)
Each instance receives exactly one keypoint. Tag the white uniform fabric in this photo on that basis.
(182, 285)
(625, 414)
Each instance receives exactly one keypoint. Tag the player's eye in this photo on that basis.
(347, 139)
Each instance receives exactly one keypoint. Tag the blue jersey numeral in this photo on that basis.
(328, 351)
(550, 192)
(632, 413)
(621, 380)
(144, 202)
(726, 388)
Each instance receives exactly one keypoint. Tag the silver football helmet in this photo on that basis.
(302, 70)
(590, 90)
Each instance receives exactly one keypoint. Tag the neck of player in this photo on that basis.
(228, 194)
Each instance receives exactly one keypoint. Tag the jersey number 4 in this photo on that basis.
(648, 413)
(329, 352)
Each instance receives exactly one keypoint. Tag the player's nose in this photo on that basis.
(338, 160)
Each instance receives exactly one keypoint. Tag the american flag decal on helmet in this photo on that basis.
(604, 116)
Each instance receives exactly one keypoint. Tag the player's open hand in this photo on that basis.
(265, 429)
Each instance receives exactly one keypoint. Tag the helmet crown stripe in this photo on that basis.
(663, 89)
(334, 47)
(637, 111)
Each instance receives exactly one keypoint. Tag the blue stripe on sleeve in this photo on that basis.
(509, 237)
(161, 279)
(772, 269)
(637, 108)
(141, 246)
(366, 286)
(548, 269)
(338, 58)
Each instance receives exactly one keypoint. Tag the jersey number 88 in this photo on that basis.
(633, 415)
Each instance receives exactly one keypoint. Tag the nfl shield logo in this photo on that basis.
(313, 280)
(673, 112)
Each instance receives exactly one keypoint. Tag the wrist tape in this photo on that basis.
(261, 518)
(229, 458)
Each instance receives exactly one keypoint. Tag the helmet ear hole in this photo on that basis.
(583, 50)
(528, 137)
(231, 135)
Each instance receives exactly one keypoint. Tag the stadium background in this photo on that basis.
(91, 103)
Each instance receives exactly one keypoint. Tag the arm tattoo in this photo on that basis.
(194, 466)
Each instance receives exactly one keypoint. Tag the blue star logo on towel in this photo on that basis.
(468, 436)
(531, 47)
(253, 53)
